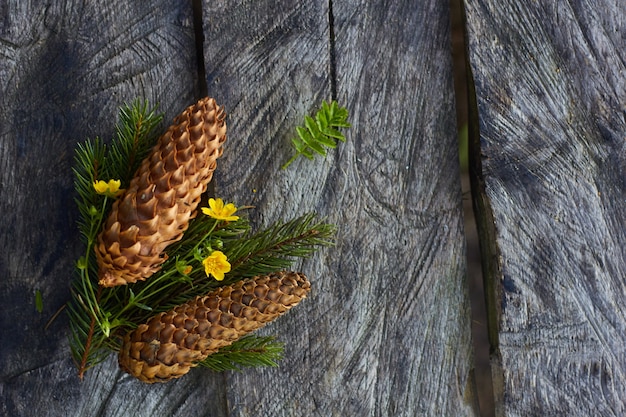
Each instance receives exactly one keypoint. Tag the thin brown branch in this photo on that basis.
(83, 363)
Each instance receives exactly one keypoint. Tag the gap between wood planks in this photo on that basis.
(484, 385)
(474, 271)
(203, 88)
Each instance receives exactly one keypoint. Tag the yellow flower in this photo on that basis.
(220, 211)
(110, 189)
(216, 264)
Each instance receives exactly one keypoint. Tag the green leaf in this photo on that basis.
(320, 132)
(328, 141)
(322, 117)
(309, 140)
(301, 147)
(334, 133)
(311, 125)
(38, 301)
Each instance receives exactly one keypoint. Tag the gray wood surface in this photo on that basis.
(386, 330)
(551, 100)
(65, 68)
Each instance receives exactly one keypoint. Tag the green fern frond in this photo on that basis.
(320, 133)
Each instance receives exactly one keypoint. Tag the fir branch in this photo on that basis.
(276, 247)
(90, 323)
(249, 351)
(88, 160)
(100, 317)
(321, 132)
(135, 137)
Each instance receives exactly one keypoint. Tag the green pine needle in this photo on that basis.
(321, 132)
(94, 161)
(135, 137)
(275, 248)
(100, 317)
(249, 351)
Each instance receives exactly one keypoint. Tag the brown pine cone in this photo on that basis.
(162, 197)
(170, 343)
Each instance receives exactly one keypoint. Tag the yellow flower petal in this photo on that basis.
(114, 185)
(218, 211)
(216, 264)
(229, 209)
(216, 205)
(101, 187)
(110, 189)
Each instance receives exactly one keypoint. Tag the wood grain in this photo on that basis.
(65, 68)
(386, 331)
(549, 82)
(386, 328)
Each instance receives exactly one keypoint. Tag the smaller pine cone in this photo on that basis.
(162, 197)
(171, 343)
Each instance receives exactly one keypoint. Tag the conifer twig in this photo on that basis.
(249, 351)
(100, 317)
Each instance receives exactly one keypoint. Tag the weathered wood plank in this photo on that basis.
(65, 67)
(386, 330)
(551, 177)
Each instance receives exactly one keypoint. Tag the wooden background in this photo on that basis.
(550, 85)
(386, 331)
